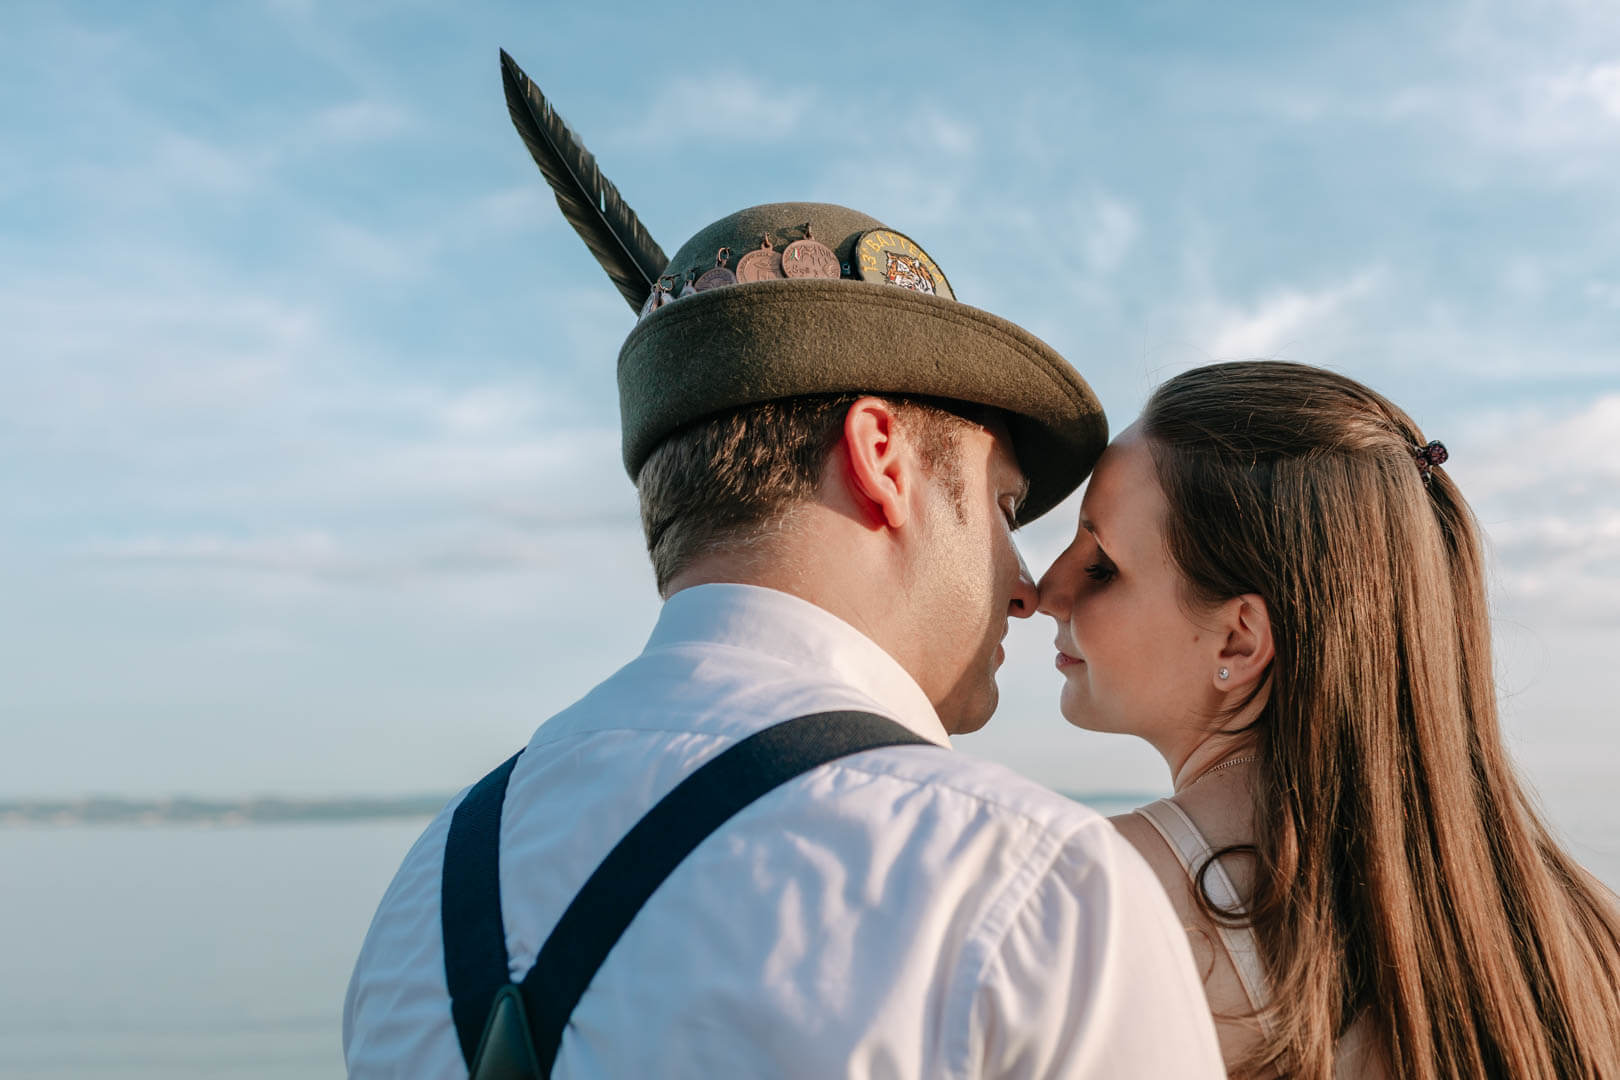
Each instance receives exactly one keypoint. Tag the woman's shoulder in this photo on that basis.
(1145, 830)
(1239, 1031)
(1139, 829)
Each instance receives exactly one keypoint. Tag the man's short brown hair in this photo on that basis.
(726, 480)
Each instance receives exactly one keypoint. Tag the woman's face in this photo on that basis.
(1133, 658)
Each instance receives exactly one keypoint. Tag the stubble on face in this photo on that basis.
(972, 569)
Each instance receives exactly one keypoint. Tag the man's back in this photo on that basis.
(906, 912)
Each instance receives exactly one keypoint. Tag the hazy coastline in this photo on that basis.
(283, 810)
(182, 810)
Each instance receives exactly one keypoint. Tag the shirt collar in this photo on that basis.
(788, 628)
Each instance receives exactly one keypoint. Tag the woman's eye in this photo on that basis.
(1101, 572)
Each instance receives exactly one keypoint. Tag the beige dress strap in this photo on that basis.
(1178, 830)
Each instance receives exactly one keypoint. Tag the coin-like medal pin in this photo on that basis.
(662, 293)
(810, 258)
(718, 275)
(690, 288)
(762, 264)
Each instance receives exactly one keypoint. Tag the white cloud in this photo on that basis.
(725, 106)
(152, 166)
(174, 397)
(423, 553)
(1283, 318)
(1605, 294)
(383, 255)
(359, 121)
(1110, 227)
(911, 193)
(1540, 79)
(84, 359)
(946, 134)
(1546, 486)
(1596, 84)
(1557, 458)
(313, 552)
(486, 411)
(525, 206)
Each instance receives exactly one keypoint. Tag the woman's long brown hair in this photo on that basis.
(1402, 873)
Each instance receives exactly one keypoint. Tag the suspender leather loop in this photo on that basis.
(599, 914)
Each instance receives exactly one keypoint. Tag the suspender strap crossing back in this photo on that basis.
(498, 1038)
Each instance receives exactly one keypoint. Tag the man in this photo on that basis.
(830, 470)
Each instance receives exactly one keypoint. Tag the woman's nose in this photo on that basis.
(1054, 592)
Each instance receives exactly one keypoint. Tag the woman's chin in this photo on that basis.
(1082, 713)
(1075, 711)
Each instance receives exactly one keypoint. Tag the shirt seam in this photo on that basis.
(796, 662)
(727, 738)
(877, 708)
(967, 1036)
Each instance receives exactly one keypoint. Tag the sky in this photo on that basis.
(308, 426)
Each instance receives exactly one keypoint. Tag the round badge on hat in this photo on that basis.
(890, 258)
(718, 275)
(764, 263)
(810, 258)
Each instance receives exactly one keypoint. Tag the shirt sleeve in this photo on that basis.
(1092, 978)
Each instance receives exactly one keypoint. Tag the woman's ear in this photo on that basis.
(1247, 650)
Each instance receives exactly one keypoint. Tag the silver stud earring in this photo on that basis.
(1223, 674)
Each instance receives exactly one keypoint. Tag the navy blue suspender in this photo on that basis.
(510, 1030)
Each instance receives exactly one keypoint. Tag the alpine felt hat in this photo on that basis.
(736, 345)
(874, 315)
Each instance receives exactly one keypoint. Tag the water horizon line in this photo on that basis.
(290, 809)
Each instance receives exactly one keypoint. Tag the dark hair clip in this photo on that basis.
(1430, 456)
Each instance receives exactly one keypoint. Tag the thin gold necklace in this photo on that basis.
(1227, 764)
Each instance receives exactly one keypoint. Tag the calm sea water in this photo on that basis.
(184, 952)
(134, 953)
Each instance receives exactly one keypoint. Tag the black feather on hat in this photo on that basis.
(878, 316)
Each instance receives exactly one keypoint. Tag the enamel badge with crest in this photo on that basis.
(890, 258)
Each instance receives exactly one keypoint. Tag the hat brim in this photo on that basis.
(745, 344)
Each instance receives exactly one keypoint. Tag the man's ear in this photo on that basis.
(1247, 650)
(880, 473)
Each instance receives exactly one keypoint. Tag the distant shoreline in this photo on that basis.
(266, 810)
(275, 810)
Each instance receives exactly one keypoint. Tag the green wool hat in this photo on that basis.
(756, 308)
(742, 344)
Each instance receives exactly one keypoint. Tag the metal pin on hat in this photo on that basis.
(810, 258)
(762, 264)
(662, 293)
(718, 275)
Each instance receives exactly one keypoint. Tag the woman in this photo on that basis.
(1277, 585)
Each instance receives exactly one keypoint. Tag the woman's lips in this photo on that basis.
(1065, 660)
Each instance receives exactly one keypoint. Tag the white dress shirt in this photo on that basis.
(905, 912)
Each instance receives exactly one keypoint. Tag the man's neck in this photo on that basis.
(822, 563)
(797, 581)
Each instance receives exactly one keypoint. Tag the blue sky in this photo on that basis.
(308, 432)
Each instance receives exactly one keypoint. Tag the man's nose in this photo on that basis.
(1025, 596)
